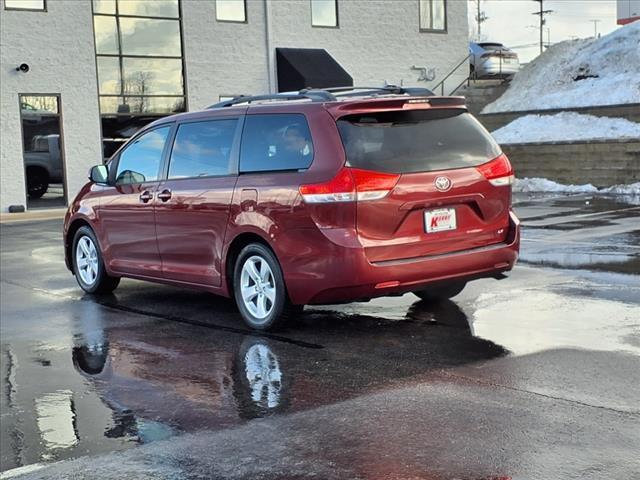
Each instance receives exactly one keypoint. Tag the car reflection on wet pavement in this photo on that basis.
(536, 376)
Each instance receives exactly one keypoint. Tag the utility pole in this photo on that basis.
(480, 17)
(542, 12)
(595, 28)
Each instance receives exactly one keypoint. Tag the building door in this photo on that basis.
(43, 151)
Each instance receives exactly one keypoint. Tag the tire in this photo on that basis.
(267, 305)
(440, 292)
(37, 183)
(90, 274)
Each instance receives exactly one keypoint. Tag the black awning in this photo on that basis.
(300, 68)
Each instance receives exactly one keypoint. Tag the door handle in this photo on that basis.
(164, 195)
(146, 196)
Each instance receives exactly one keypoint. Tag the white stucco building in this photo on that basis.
(98, 70)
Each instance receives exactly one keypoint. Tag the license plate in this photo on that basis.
(440, 220)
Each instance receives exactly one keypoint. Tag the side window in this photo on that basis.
(203, 149)
(275, 142)
(140, 161)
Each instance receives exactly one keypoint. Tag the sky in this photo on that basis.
(511, 22)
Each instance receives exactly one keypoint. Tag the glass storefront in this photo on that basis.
(140, 65)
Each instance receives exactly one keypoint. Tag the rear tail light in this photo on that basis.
(498, 171)
(350, 184)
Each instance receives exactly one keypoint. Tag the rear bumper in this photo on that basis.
(495, 67)
(343, 274)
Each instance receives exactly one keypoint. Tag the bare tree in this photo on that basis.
(137, 86)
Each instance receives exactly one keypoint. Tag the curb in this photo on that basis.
(32, 216)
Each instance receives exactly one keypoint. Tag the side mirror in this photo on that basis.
(99, 174)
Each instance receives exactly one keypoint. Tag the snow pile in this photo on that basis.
(548, 81)
(565, 126)
(544, 185)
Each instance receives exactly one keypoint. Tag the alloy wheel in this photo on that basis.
(258, 287)
(87, 260)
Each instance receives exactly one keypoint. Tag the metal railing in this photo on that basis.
(440, 84)
(470, 76)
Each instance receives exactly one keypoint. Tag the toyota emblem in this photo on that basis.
(442, 183)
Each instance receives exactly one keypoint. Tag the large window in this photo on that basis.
(140, 161)
(433, 15)
(140, 68)
(324, 13)
(231, 11)
(203, 149)
(275, 142)
(38, 5)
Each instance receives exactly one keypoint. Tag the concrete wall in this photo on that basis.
(600, 163)
(494, 121)
(223, 58)
(58, 46)
(376, 42)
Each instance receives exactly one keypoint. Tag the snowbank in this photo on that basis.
(565, 126)
(548, 81)
(544, 185)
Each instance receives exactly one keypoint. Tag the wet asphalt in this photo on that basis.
(533, 377)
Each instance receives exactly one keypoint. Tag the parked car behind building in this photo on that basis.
(492, 60)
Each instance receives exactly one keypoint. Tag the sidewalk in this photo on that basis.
(32, 215)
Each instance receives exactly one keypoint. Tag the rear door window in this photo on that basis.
(275, 142)
(203, 149)
(415, 141)
(140, 160)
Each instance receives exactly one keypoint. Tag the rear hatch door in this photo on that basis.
(452, 184)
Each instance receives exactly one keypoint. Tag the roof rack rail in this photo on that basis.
(327, 94)
(319, 95)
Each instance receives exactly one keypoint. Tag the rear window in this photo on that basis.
(415, 141)
(275, 142)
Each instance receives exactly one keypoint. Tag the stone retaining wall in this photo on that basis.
(600, 163)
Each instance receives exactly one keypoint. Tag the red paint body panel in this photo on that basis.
(191, 226)
(333, 252)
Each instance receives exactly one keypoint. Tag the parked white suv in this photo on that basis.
(492, 60)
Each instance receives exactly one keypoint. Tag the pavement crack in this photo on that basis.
(544, 395)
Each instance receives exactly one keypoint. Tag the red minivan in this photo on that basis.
(315, 197)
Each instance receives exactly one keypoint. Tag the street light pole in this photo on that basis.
(595, 28)
(480, 17)
(541, 13)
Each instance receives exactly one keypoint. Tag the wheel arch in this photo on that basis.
(74, 226)
(235, 247)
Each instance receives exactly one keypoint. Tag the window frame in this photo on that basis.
(246, 14)
(63, 155)
(120, 56)
(287, 170)
(18, 9)
(432, 30)
(337, 25)
(234, 156)
(114, 162)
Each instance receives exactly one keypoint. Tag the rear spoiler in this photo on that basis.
(339, 109)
